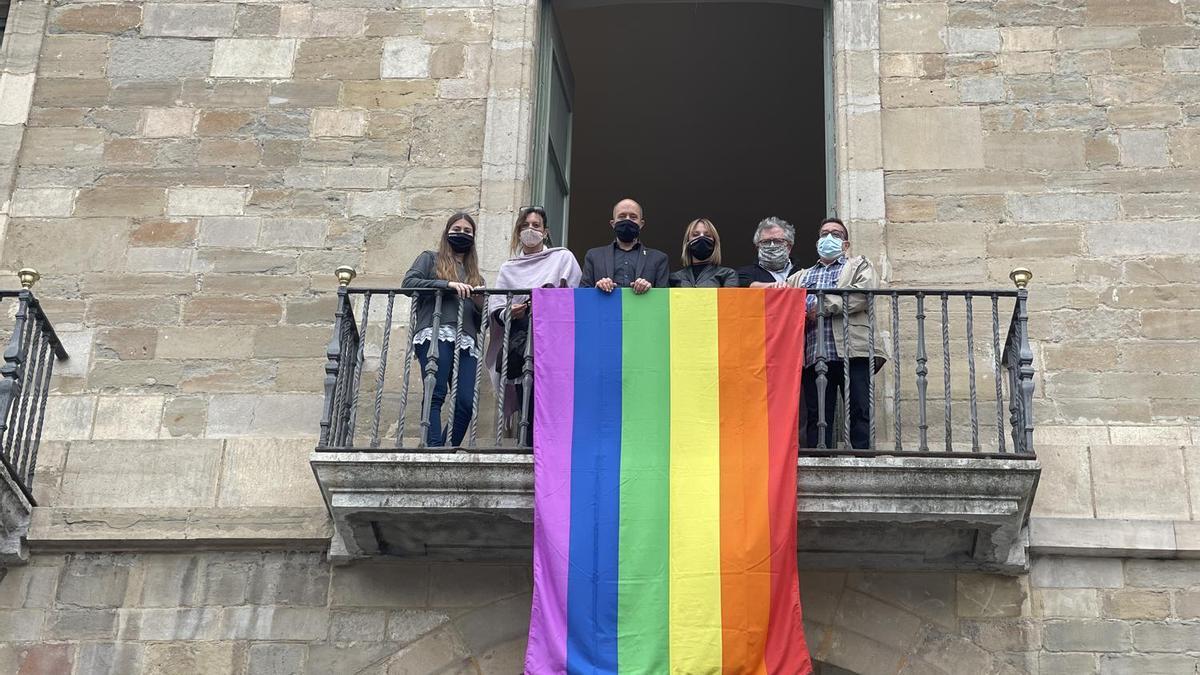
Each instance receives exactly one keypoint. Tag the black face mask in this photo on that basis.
(460, 242)
(627, 230)
(701, 248)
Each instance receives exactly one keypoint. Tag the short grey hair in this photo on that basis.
(770, 222)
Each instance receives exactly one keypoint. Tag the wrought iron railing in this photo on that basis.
(940, 390)
(33, 347)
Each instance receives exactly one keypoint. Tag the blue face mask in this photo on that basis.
(829, 247)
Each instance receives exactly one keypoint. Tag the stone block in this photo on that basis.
(268, 472)
(21, 625)
(257, 21)
(1074, 602)
(1141, 13)
(172, 473)
(1166, 637)
(94, 580)
(184, 416)
(1139, 482)
(450, 587)
(1146, 664)
(1027, 38)
(358, 626)
(1038, 150)
(94, 247)
(277, 415)
(1186, 60)
(1065, 206)
(1065, 482)
(405, 57)
(334, 123)
(81, 624)
(167, 122)
(1064, 572)
(275, 659)
(42, 202)
(107, 658)
(253, 58)
(158, 58)
(120, 202)
(206, 201)
(76, 56)
(68, 92)
(365, 177)
(396, 585)
(230, 310)
(386, 95)
(972, 40)
(187, 20)
(95, 18)
(356, 59)
(62, 147)
(194, 657)
(981, 89)
(1170, 324)
(208, 342)
(275, 623)
(1143, 147)
(982, 595)
(245, 261)
(375, 204)
(1162, 573)
(180, 625)
(229, 232)
(127, 417)
(28, 587)
(1086, 636)
(1136, 604)
(158, 259)
(912, 28)
(932, 138)
(230, 152)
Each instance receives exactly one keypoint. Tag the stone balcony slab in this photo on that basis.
(886, 512)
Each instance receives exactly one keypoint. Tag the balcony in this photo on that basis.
(946, 482)
(33, 348)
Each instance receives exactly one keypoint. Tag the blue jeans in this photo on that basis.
(463, 396)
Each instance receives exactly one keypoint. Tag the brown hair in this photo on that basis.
(715, 258)
(515, 240)
(447, 265)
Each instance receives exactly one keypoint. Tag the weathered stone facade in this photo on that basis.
(187, 175)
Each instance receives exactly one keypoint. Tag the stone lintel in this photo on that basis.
(1114, 538)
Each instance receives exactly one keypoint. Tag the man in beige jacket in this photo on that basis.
(835, 269)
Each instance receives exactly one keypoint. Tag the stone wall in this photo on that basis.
(277, 613)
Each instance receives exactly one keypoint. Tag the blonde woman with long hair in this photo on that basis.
(701, 258)
(453, 268)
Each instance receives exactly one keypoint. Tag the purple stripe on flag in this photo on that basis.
(553, 417)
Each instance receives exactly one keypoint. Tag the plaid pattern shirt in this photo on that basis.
(820, 276)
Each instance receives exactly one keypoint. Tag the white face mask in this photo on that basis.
(531, 238)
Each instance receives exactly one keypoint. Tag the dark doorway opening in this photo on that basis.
(712, 110)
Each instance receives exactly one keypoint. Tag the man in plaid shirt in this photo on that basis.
(834, 269)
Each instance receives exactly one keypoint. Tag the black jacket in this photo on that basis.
(598, 264)
(423, 274)
(751, 273)
(704, 276)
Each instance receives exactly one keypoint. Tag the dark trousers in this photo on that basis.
(860, 403)
(464, 395)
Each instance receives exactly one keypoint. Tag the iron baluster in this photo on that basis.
(500, 395)
(381, 371)
(431, 366)
(871, 370)
(356, 377)
(999, 377)
(43, 397)
(38, 344)
(846, 359)
(896, 369)
(485, 341)
(454, 367)
(822, 368)
(946, 368)
(1021, 278)
(525, 437)
(971, 374)
(922, 371)
(408, 359)
(333, 355)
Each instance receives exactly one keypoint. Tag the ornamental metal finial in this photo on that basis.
(345, 274)
(28, 277)
(1021, 277)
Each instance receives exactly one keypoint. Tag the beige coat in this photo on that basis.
(858, 273)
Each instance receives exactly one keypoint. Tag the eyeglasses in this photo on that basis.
(779, 242)
(540, 210)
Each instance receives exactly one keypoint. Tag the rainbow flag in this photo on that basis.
(666, 429)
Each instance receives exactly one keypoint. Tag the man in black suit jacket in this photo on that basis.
(625, 263)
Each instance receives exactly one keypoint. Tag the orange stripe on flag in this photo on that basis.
(745, 522)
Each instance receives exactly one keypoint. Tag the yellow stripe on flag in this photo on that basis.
(695, 588)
